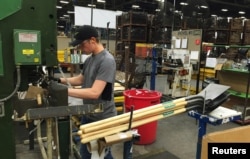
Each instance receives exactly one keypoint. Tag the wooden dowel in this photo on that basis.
(84, 135)
(128, 114)
(136, 116)
(134, 124)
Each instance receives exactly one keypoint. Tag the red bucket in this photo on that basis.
(140, 98)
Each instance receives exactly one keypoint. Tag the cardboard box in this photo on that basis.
(110, 140)
(239, 134)
(33, 91)
(236, 80)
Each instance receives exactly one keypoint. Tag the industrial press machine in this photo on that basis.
(28, 56)
(27, 44)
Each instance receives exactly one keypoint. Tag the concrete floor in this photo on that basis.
(177, 135)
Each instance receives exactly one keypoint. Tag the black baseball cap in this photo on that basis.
(85, 32)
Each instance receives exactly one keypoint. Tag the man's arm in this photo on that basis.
(88, 93)
(74, 81)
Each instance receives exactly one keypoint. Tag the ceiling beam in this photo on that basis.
(230, 4)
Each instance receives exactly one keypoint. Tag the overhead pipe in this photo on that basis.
(231, 4)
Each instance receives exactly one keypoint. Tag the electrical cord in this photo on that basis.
(17, 85)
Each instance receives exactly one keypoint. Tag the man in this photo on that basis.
(97, 79)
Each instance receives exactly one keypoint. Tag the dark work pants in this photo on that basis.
(84, 150)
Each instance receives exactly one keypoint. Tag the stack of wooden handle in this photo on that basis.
(119, 123)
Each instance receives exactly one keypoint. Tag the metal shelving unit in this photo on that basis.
(132, 27)
(239, 80)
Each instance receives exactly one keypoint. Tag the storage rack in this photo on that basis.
(238, 92)
(226, 32)
(246, 32)
(217, 32)
(236, 31)
(132, 27)
(139, 27)
(161, 28)
(239, 81)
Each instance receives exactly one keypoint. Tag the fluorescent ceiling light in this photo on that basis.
(101, 1)
(204, 7)
(135, 6)
(65, 2)
(224, 10)
(91, 5)
(183, 3)
(157, 10)
(59, 7)
(242, 12)
(70, 12)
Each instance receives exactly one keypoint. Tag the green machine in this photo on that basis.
(27, 41)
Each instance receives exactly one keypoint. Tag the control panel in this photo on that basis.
(27, 47)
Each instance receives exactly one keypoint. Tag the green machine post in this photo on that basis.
(22, 15)
(1, 58)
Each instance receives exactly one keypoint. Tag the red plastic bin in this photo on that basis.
(140, 98)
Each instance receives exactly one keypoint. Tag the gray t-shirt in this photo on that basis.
(101, 67)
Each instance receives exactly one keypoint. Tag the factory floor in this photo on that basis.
(176, 136)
